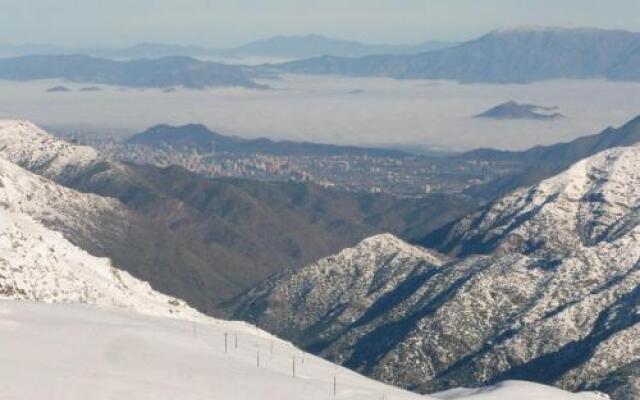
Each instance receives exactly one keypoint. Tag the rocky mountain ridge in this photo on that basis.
(165, 72)
(555, 299)
(360, 281)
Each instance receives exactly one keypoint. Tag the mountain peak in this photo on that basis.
(390, 243)
(514, 110)
(190, 136)
(514, 55)
(382, 238)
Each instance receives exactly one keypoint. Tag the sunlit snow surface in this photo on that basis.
(517, 390)
(75, 352)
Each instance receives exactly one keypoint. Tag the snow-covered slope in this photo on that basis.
(27, 145)
(556, 300)
(78, 352)
(75, 352)
(138, 243)
(91, 348)
(38, 218)
(105, 354)
(39, 264)
(81, 217)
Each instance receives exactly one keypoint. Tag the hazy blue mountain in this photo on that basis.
(318, 45)
(162, 72)
(628, 68)
(90, 89)
(58, 89)
(513, 110)
(504, 56)
(303, 46)
(199, 138)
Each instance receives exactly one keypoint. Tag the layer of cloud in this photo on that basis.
(339, 110)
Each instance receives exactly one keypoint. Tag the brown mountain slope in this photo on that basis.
(206, 240)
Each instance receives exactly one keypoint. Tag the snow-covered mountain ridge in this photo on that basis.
(25, 144)
(556, 299)
(208, 240)
(39, 264)
(82, 217)
(592, 202)
(355, 280)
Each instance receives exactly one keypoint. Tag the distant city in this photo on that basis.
(409, 176)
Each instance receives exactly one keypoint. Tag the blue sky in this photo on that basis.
(232, 22)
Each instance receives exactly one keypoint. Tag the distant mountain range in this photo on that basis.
(505, 56)
(513, 110)
(542, 162)
(196, 137)
(152, 73)
(285, 47)
(318, 45)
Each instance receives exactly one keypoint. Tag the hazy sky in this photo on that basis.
(232, 22)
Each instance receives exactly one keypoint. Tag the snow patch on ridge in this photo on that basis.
(24, 143)
(41, 265)
(520, 390)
